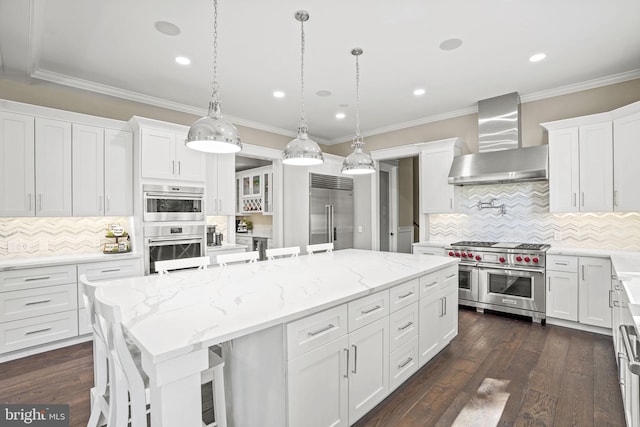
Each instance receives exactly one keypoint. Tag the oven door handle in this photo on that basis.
(182, 196)
(515, 269)
(177, 241)
(634, 365)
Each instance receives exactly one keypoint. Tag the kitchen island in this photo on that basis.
(175, 318)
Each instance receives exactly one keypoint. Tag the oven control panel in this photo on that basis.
(468, 256)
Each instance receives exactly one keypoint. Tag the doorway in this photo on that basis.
(388, 206)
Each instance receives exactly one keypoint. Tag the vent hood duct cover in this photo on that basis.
(500, 158)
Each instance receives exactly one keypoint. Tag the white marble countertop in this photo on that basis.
(174, 314)
(44, 261)
(267, 234)
(432, 243)
(226, 247)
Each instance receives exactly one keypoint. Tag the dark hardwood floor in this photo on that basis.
(557, 377)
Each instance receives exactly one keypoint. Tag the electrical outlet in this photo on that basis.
(18, 245)
(359, 229)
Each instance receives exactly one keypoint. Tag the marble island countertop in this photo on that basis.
(172, 315)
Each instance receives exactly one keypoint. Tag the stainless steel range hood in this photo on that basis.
(500, 158)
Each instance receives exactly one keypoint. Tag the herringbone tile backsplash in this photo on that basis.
(527, 219)
(57, 236)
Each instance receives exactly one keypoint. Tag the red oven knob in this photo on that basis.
(519, 258)
(535, 260)
(458, 254)
(478, 257)
(463, 254)
(502, 259)
(450, 253)
(470, 255)
(527, 259)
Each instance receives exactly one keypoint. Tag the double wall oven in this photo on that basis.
(174, 223)
(507, 277)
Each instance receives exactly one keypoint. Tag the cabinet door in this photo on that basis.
(368, 368)
(318, 386)
(190, 164)
(53, 167)
(222, 182)
(118, 172)
(88, 170)
(562, 295)
(596, 167)
(594, 291)
(449, 322)
(17, 176)
(158, 154)
(626, 173)
(429, 315)
(437, 193)
(564, 170)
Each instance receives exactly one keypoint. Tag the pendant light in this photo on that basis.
(358, 162)
(302, 151)
(213, 133)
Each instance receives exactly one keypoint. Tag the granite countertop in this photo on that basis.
(44, 261)
(170, 315)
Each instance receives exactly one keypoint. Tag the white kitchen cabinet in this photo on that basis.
(254, 188)
(562, 295)
(88, 170)
(53, 167)
(626, 173)
(220, 184)
(118, 172)
(164, 156)
(423, 249)
(369, 367)
(595, 291)
(17, 180)
(438, 312)
(438, 196)
(580, 165)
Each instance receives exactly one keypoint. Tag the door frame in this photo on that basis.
(391, 167)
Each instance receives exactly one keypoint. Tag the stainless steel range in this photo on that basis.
(502, 276)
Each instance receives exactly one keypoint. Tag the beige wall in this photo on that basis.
(405, 192)
(533, 113)
(81, 101)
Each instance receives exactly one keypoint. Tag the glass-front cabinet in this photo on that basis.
(254, 191)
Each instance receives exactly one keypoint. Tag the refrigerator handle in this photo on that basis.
(332, 229)
(327, 214)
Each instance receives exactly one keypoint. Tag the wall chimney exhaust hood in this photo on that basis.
(500, 157)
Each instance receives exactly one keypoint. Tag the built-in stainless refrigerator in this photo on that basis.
(331, 210)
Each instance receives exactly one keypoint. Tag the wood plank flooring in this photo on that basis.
(557, 377)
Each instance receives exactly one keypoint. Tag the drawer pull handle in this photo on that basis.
(38, 302)
(561, 263)
(38, 331)
(371, 310)
(402, 328)
(319, 331)
(450, 276)
(405, 363)
(355, 359)
(113, 270)
(33, 279)
(432, 284)
(405, 295)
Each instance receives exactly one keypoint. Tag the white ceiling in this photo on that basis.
(112, 47)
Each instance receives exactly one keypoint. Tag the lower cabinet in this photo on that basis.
(345, 360)
(562, 295)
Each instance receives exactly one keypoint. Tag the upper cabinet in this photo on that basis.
(626, 152)
(17, 180)
(254, 191)
(581, 165)
(220, 184)
(438, 196)
(164, 156)
(53, 167)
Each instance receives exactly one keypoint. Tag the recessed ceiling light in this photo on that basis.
(537, 57)
(278, 94)
(167, 28)
(419, 92)
(450, 44)
(340, 116)
(183, 60)
(323, 93)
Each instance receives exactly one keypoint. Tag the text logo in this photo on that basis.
(34, 415)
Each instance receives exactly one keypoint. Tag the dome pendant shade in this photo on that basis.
(358, 162)
(302, 151)
(213, 133)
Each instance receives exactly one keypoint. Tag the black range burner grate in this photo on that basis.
(474, 243)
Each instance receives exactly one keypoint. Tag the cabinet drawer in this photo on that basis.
(562, 263)
(84, 323)
(368, 309)
(28, 278)
(403, 325)
(424, 250)
(403, 363)
(314, 331)
(38, 330)
(105, 270)
(402, 295)
(429, 284)
(27, 303)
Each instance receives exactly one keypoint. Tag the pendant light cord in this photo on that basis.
(357, 99)
(303, 119)
(214, 83)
